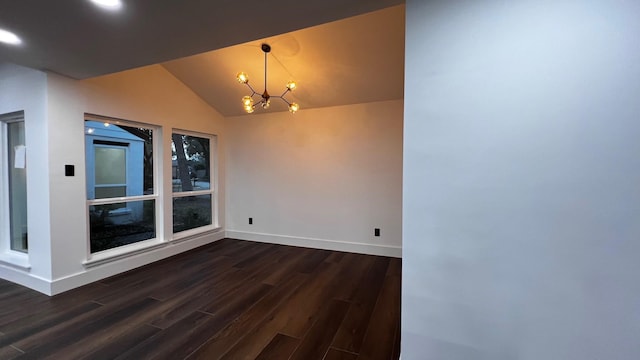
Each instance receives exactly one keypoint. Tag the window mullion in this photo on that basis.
(116, 200)
(192, 193)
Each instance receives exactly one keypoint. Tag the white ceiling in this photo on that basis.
(354, 60)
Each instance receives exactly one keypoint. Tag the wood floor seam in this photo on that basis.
(206, 313)
(17, 348)
(153, 326)
(343, 350)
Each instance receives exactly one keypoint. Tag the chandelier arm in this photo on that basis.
(251, 88)
(282, 98)
(285, 92)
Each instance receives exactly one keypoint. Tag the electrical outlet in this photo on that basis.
(376, 232)
(250, 221)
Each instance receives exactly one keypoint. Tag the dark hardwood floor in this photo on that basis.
(228, 300)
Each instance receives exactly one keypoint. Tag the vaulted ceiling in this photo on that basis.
(350, 61)
(340, 52)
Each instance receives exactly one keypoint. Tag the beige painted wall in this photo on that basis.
(323, 177)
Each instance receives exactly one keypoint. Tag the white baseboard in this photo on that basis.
(120, 265)
(361, 248)
(24, 278)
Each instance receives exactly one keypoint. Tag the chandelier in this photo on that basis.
(265, 98)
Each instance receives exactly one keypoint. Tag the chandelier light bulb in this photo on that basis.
(247, 101)
(248, 109)
(265, 105)
(293, 107)
(291, 85)
(242, 78)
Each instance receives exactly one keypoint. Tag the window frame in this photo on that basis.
(129, 249)
(8, 255)
(212, 191)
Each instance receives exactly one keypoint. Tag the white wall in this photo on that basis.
(521, 180)
(148, 95)
(23, 89)
(322, 178)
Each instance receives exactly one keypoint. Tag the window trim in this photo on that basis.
(213, 188)
(112, 254)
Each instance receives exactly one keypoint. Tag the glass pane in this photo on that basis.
(141, 174)
(111, 165)
(120, 224)
(118, 155)
(191, 212)
(17, 186)
(190, 159)
(110, 192)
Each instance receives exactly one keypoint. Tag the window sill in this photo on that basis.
(122, 252)
(193, 233)
(16, 260)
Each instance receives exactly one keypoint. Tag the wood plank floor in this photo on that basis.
(228, 300)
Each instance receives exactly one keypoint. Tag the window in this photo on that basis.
(193, 181)
(13, 183)
(111, 174)
(121, 192)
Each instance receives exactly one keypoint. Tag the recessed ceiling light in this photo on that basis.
(108, 4)
(10, 38)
